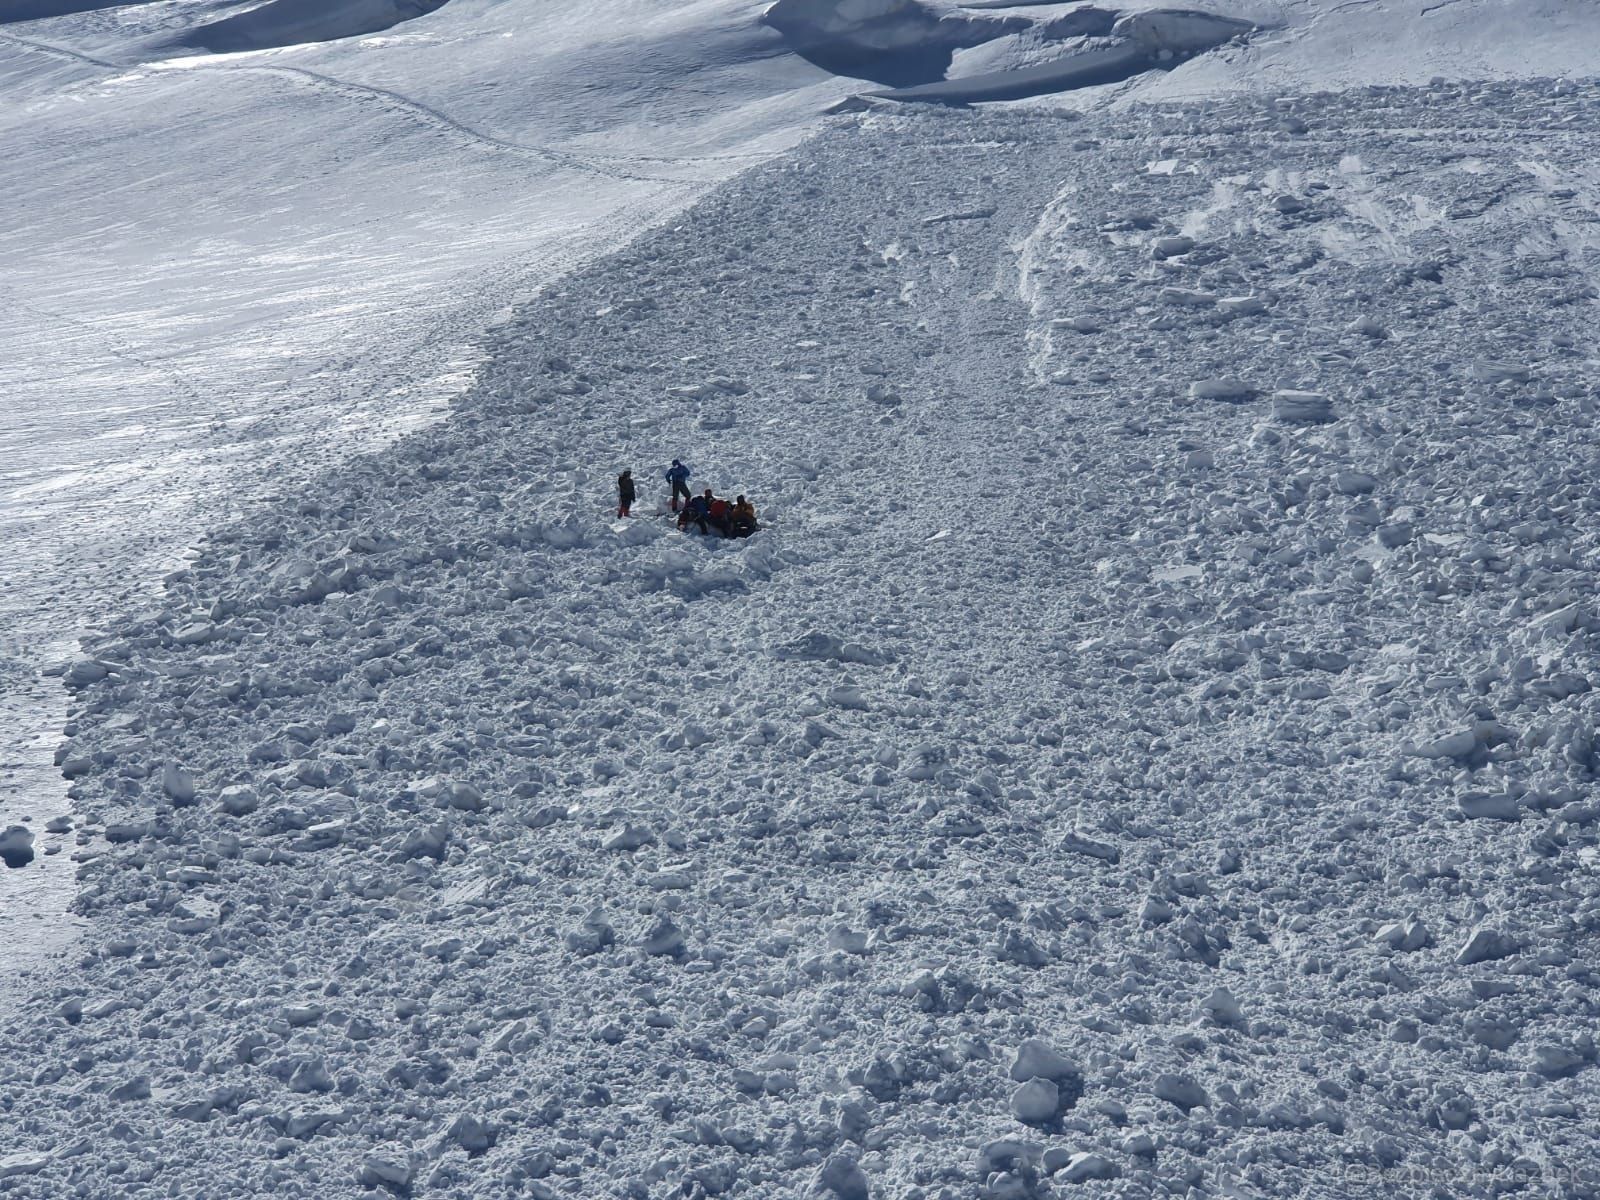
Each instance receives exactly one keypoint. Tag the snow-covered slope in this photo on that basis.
(1150, 750)
(224, 272)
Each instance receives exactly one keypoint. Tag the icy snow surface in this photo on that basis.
(1148, 751)
(1080, 786)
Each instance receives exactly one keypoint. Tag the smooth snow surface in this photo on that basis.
(947, 838)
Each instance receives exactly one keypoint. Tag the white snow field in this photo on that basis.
(1149, 749)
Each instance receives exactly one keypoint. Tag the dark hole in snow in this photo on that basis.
(16, 847)
(293, 22)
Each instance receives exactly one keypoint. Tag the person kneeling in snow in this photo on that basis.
(743, 521)
(697, 511)
(720, 513)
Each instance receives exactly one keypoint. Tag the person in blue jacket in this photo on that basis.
(678, 476)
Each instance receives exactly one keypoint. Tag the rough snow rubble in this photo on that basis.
(1058, 733)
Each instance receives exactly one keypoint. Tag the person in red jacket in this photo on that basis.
(718, 512)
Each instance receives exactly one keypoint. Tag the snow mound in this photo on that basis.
(294, 22)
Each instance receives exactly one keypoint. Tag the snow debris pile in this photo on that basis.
(1150, 750)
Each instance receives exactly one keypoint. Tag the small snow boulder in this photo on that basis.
(1181, 1091)
(1241, 306)
(1037, 1059)
(1223, 387)
(472, 1134)
(1404, 937)
(195, 634)
(238, 800)
(391, 1171)
(1084, 1166)
(1487, 371)
(1450, 745)
(83, 671)
(1353, 483)
(178, 784)
(1171, 247)
(1222, 1007)
(1036, 1102)
(841, 1178)
(1487, 806)
(664, 939)
(1079, 324)
(630, 837)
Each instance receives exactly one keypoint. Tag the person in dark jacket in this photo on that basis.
(678, 476)
(698, 511)
(625, 493)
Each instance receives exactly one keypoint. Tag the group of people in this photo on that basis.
(706, 512)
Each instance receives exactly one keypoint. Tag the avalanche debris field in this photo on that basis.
(1149, 751)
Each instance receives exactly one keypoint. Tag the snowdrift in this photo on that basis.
(916, 47)
(294, 22)
(896, 42)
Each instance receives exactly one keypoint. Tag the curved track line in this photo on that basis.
(598, 164)
(60, 52)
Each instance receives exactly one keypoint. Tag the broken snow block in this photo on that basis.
(1483, 806)
(1241, 306)
(1084, 1166)
(1223, 387)
(1301, 408)
(1036, 1102)
(1486, 945)
(1404, 937)
(1180, 1090)
(1171, 247)
(1037, 1059)
(1485, 371)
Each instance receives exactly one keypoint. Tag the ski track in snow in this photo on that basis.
(1150, 751)
(606, 165)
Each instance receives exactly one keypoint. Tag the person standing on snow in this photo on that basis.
(625, 493)
(678, 477)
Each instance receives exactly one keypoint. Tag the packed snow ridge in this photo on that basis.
(916, 47)
(1150, 750)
